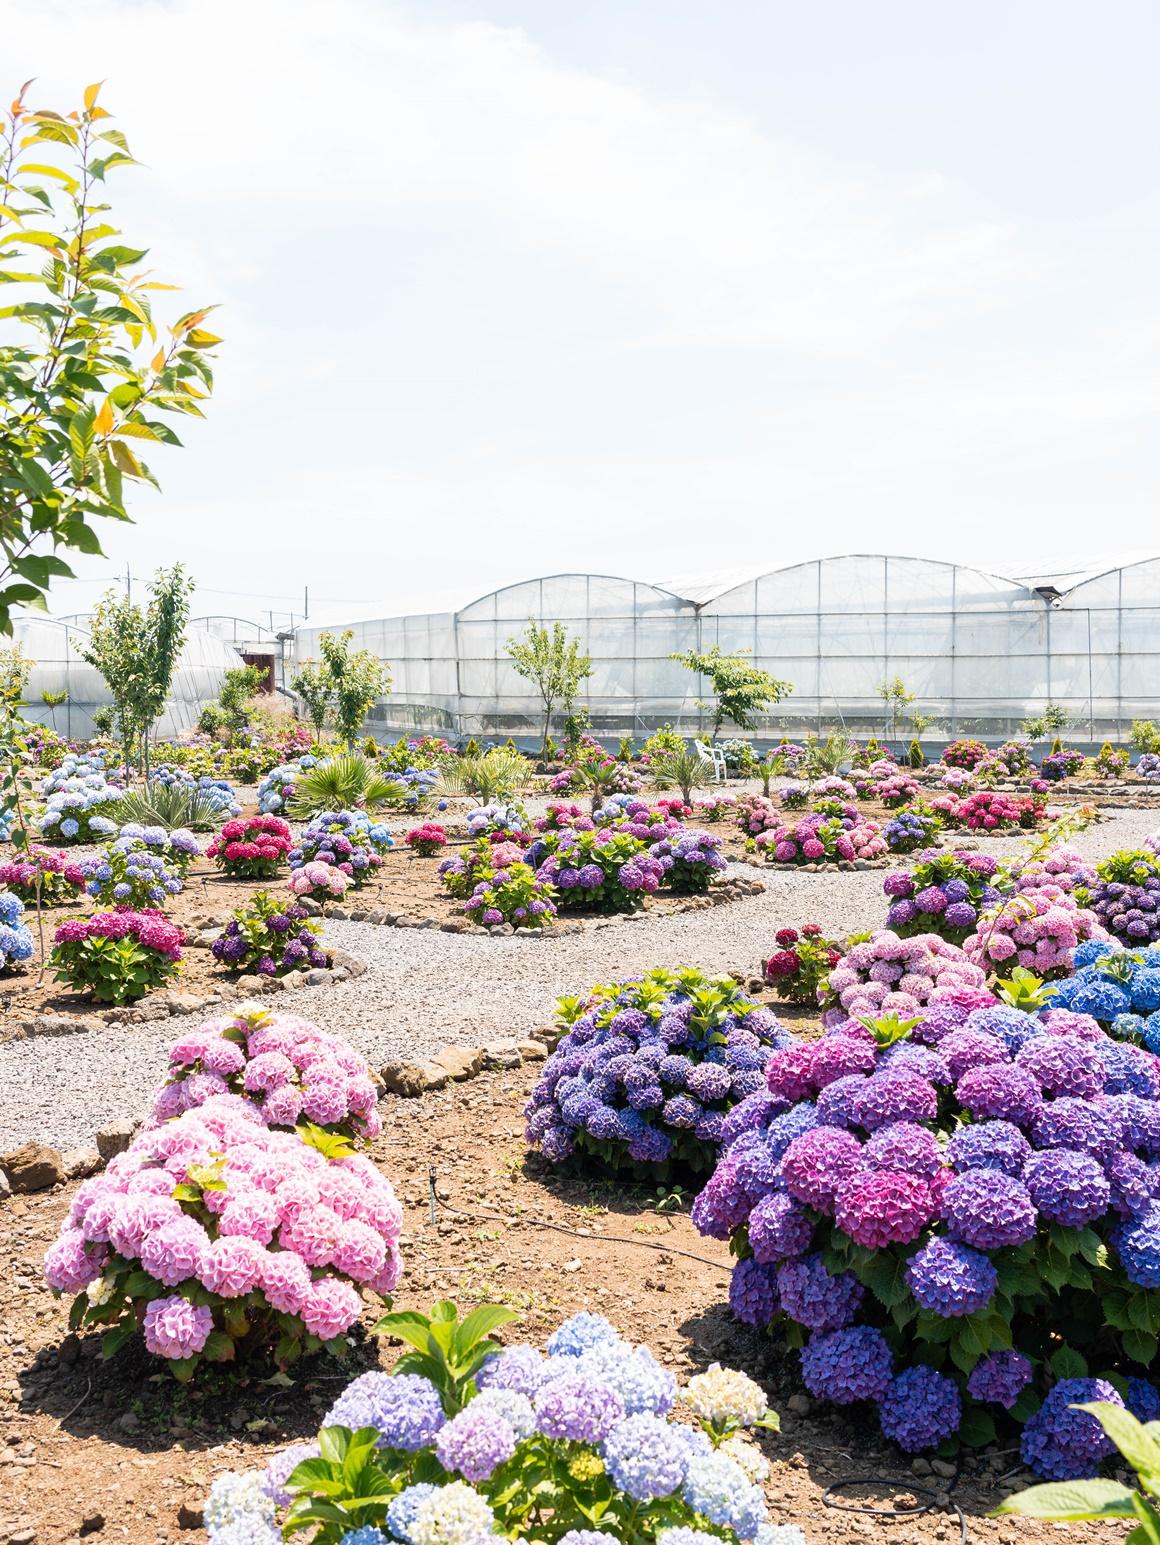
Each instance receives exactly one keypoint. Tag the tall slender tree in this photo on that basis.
(553, 662)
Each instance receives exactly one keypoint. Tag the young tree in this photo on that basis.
(895, 697)
(136, 649)
(358, 679)
(742, 690)
(54, 700)
(15, 669)
(78, 399)
(237, 688)
(552, 661)
(315, 686)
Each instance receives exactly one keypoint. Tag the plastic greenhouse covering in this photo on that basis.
(980, 651)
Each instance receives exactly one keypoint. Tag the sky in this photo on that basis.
(640, 287)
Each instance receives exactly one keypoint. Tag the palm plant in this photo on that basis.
(344, 782)
(683, 768)
(172, 806)
(487, 776)
(600, 778)
(773, 765)
(827, 756)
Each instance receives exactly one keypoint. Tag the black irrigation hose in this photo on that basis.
(894, 1514)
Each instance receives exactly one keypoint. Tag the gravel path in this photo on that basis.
(424, 988)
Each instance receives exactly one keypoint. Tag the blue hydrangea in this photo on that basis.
(988, 1209)
(951, 1279)
(636, 1376)
(476, 1442)
(1138, 1245)
(516, 1409)
(814, 1298)
(580, 1333)
(1143, 1400)
(1068, 1187)
(404, 1408)
(366, 1534)
(716, 1487)
(1063, 1444)
(989, 1145)
(847, 1365)
(1006, 1024)
(920, 1409)
(753, 1296)
(644, 1458)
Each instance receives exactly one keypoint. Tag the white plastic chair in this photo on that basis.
(714, 757)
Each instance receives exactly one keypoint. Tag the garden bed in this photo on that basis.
(151, 1448)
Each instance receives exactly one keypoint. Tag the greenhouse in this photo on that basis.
(979, 650)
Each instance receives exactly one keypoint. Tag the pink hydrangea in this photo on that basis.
(176, 1328)
(883, 1207)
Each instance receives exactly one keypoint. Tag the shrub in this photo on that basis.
(510, 820)
(1118, 987)
(647, 1071)
(316, 878)
(567, 781)
(1082, 1422)
(944, 893)
(1112, 762)
(58, 881)
(117, 956)
(144, 867)
(426, 840)
(662, 742)
(689, 861)
(940, 1227)
(888, 975)
(82, 802)
(252, 849)
(1015, 757)
(278, 787)
(511, 892)
(964, 753)
(461, 872)
(718, 807)
(987, 811)
(757, 814)
(1125, 896)
(559, 815)
(802, 959)
(600, 871)
(347, 840)
(910, 830)
(463, 1441)
(1038, 928)
(290, 1071)
(1149, 767)
(955, 779)
(740, 759)
(795, 796)
(270, 938)
(896, 790)
(816, 840)
(217, 792)
(1060, 764)
(218, 1236)
(15, 939)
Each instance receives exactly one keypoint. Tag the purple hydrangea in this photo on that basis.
(838, 1101)
(1143, 1400)
(847, 1365)
(999, 1378)
(906, 1147)
(884, 1207)
(817, 1164)
(1007, 1024)
(405, 1409)
(1063, 1444)
(779, 1228)
(476, 1442)
(920, 1409)
(753, 1292)
(891, 1095)
(950, 1279)
(814, 1298)
(582, 1409)
(1061, 1065)
(1138, 1245)
(1004, 1092)
(967, 1049)
(988, 1209)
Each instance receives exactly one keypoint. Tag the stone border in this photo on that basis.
(456, 1064)
(719, 893)
(163, 1005)
(842, 865)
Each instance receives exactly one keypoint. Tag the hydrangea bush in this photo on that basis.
(511, 893)
(215, 1235)
(426, 840)
(15, 939)
(689, 861)
(81, 802)
(944, 1221)
(965, 754)
(648, 1071)
(988, 811)
(818, 840)
(117, 956)
(599, 871)
(1125, 896)
(218, 793)
(58, 880)
(347, 840)
(1118, 987)
(463, 1443)
(885, 974)
(1037, 928)
(943, 893)
(288, 1069)
(144, 867)
(270, 937)
(911, 830)
(252, 849)
(276, 789)
(802, 959)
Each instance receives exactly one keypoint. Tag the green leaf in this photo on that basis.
(1140, 1347)
(1137, 1445)
(479, 1324)
(977, 1428)
(219, 1348)
(113, 1340)
(1069, 1500)
(1069, 1364)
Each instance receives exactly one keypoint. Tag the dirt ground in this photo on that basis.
(119, 1451)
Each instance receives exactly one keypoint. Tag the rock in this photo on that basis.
(460, 1062)
(57, 1024)
(114, 1137)
(185, 1003)
(189, 1517)
(69, 1350)
(293, 980)
(359, 914)
(310, 906)
(79, 1162)
(128, 1421)
(455, 925)
(92, 1523)
(532, 1051)
(413, 1078)
(800, 1405)
(5, 1187)
(502, 1054)
(943, 1467)
(33, 1167)
(249, 984)
(340, 914)
(920, 1466)
(317, 976)
(23, 1534)
(339, 974)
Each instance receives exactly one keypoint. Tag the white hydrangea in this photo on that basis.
(454, 1515)
(748, 1459)
(722, 1395)
(235, 1496)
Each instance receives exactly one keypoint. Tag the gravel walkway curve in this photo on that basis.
(424, 988)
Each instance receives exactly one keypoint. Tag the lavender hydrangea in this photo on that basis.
(920, 1408)
(950, 1279)
(999, 1378)
(1064, 1444)
(814, 1298)
(847, 1365)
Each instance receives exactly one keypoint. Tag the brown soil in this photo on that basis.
(123, 1444)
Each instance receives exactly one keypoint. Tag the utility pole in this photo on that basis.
(128, 584)
(305, 601)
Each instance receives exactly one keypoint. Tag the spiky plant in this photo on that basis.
(345, 782)
(682, 768)
(173, 806)
(488, 776)
(827, 756)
